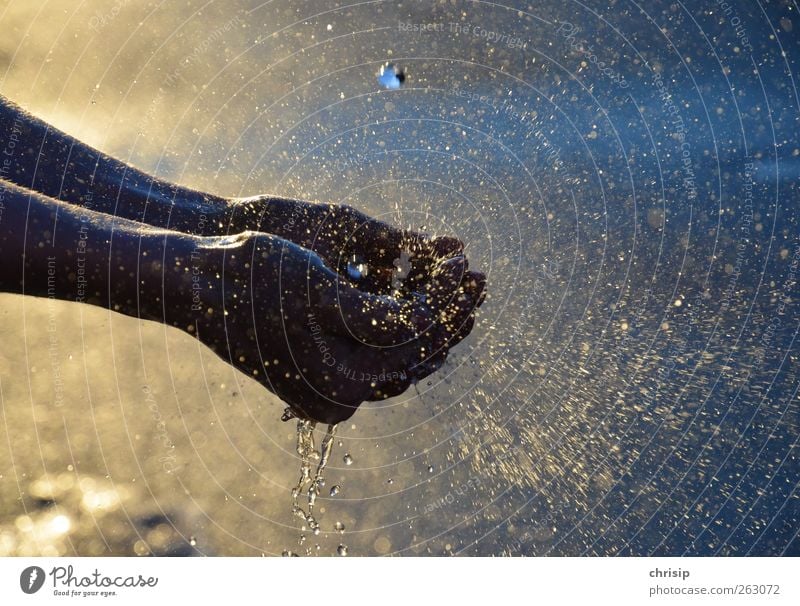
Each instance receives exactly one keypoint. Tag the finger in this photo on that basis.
(371, 319)
(474, 284)
(426, 367)
(462, 332)
(393, 387)
(445, 247)
(446, 281)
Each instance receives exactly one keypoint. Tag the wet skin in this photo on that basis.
(261, 281)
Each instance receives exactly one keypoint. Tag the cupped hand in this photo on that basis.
(278, 313)
(392, 259)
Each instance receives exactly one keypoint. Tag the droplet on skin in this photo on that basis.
(356, 268)
(348, 460)
(339, 527)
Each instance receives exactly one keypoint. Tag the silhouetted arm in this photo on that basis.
(270, 308)
(39, 157)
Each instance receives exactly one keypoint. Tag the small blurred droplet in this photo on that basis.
(348, 460)
(356, 268)
(342, 550)
(339, 527)
(391, 77)
(335, 490)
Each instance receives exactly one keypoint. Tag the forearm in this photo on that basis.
(52, 249)
(39, 157)
(36, 156)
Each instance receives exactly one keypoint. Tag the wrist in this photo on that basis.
(181, 278)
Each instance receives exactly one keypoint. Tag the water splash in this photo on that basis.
(306, 483)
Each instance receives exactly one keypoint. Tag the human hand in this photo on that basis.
(276, 312)
(389, 259)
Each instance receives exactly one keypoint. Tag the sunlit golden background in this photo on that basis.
(612, 399)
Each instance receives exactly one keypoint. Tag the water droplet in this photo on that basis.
(357, 268)
(348, 460)
(430, 468)
(335, 490)
(339, 527)
(192, 541)
(342, 550)
(391, 77)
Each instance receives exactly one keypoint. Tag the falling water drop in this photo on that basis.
(391, 76)
(307, 452)
(357, 269)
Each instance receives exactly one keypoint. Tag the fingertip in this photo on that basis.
(474, 283)
(446, 280)
(447, 246)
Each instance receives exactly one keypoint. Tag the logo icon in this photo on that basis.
(31, 579)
